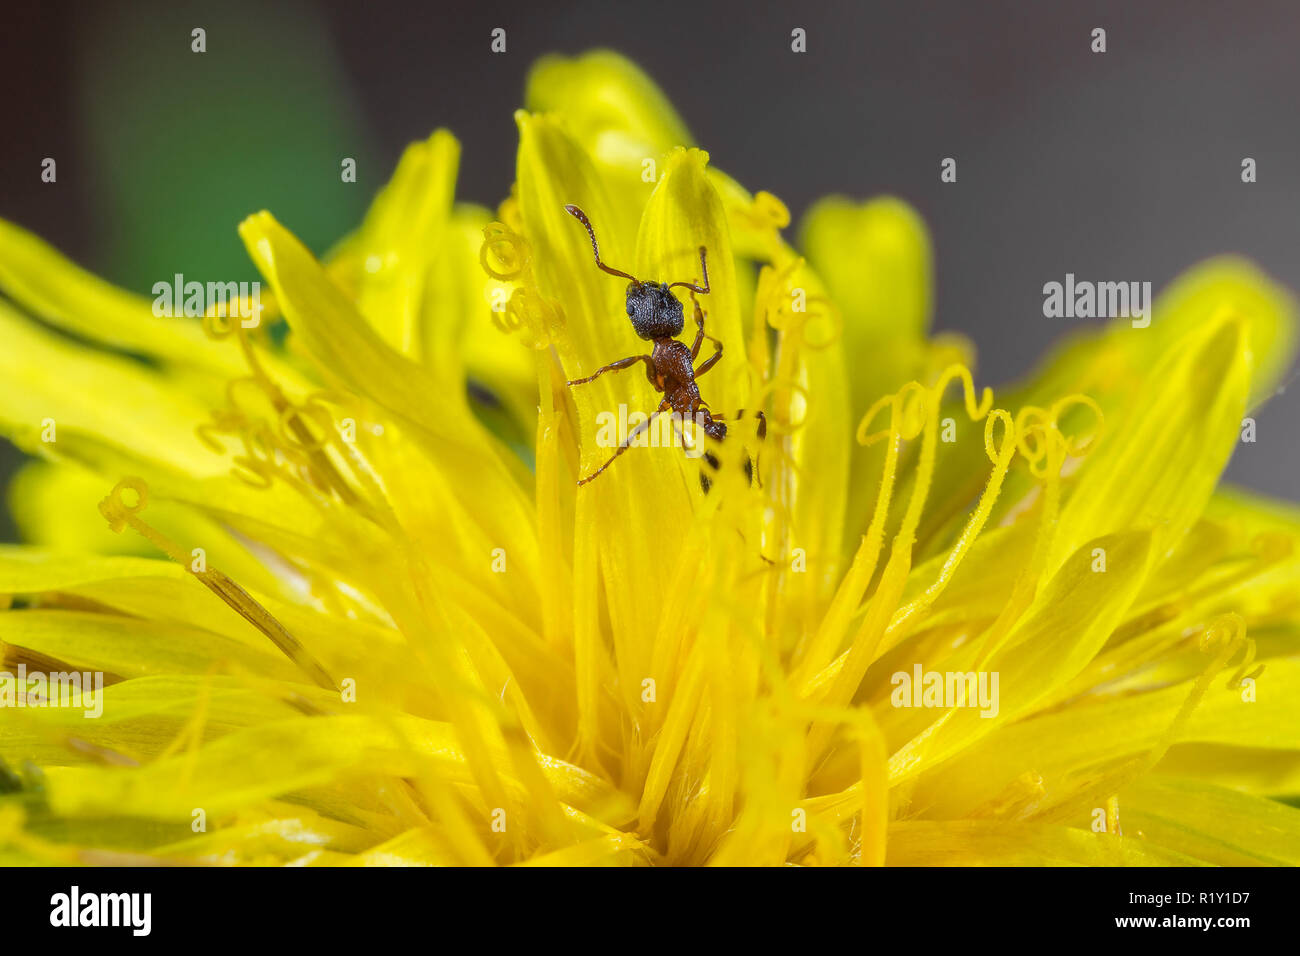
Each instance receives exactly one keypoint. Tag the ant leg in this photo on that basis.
(627, 442)
(704, 268)
(614, 367)
(701, 335)
(712, 361)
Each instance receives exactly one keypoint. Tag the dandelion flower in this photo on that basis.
(351, 607)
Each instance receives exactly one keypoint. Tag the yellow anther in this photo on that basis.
(870, 438)
(834, 321)
(1041, 441)
(217, 326)
(1017, 800)
(117, 509)
(301, 439)
(526, 309)
(914, 404)
(777, 422)
(1222, 632)
(120, 512)
(1032, 427)
(907, 409)
(1077, 447)
(1242, 673)
(511, 318)
(503, 254)
(957, 372)
(770, 211)
(777, 287)
(996, 451)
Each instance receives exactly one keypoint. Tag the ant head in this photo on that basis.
(655, 312)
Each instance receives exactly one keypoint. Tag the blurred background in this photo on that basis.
(1124, 165)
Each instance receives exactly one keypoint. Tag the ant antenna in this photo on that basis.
(704, 267)
(581, 216)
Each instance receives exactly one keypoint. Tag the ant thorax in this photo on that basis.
(673, 366)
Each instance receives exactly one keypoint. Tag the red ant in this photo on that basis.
(657, 317)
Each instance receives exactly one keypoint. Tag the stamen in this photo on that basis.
(119, 514)
(863, 649)
(1017, 801)
(1040, 440)
(1001, 456)
(291, 437)
(1222, 638)
(907, 419)
(506, 257)
(836, 620)
(504, 252)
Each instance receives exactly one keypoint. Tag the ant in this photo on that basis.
(657, 317)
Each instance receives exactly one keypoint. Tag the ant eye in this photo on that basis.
(630, 310)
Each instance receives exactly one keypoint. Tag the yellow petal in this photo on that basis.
(684, 214)
(613, 109)
(984, 843)
(1060, 633)
(55, 506)
(134, 406)
(875, 260)
(403, 232)
(1159, 460)
(1064, 748)
(38, 278)
(130, 647)
(1234, 287)
(1213, 824)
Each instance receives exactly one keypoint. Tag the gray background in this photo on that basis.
(1124, 165)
